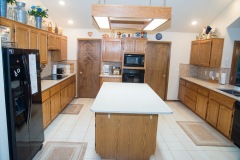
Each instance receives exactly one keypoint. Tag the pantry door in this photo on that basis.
(157, 67)
(88, 68)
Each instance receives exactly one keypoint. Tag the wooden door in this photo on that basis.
(205, 53)
(46, 106)
(129, 45)
(212, 112)
(140, 45)
(33, 39)
(181, 93)
(111, 50)
(55, 105)
(235, 72)
(224, 120)
(157, 60)
(22, 37)
(201, 106)
(194, 53)
(89, 57)
(43, 48)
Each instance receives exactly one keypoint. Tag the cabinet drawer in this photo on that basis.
(182, 82)
(192, 86)
(224, 100)
(45, 95)
(65, 83)
(54, 89)
(191, 94)
(203, 91)
(190, 103)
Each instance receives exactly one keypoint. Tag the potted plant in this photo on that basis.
(38, 12)
(3, 6)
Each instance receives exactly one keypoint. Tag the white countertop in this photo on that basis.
(110, 75)
(214, 86)
(132, 98)
(45, 84)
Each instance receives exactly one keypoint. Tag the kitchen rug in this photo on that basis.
(72, 109)
(203, 135)
(62, 151)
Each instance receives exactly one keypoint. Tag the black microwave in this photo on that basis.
(134, 60)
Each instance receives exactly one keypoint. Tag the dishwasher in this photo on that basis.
(236, 125)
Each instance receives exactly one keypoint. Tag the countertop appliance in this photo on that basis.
(133, 76)
(54, 69)
(236, 125)
(54, 77)
(222, 78)
(106, 69)
(133, 60)
(23, 102)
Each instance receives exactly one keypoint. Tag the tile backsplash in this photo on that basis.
(188, 70)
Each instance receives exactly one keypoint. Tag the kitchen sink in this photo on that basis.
(231, 91)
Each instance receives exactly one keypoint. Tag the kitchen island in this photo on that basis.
(127, 120)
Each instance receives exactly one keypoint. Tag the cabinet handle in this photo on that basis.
(80, 72)
(164, 75)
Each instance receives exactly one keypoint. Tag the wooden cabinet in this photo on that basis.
(51, 42)
(46, 109)
(60, 54)
(181, 93)
(201, 105)
(110, 79)
(111, 50)
(224, 123)
(21, 36)
(207, 52)
(134, 45)
(55, 105)
(7, 23)
(33, 39)
(58, 42)
(43, 47)
(212, 113)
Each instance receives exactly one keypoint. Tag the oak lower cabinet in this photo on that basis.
(201, 105)
(212, 113)
(110, 79)
(224, 123)
(46, 109)
(55, 105)
(111, 50)
(181, 93)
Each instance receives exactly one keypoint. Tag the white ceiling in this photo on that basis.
(183, 12)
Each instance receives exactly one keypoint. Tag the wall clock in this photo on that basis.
(158, 36)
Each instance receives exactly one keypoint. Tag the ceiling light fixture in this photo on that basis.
(62, 3)
(102, 22)
(70, 22)
(194, 23)
(130, 17)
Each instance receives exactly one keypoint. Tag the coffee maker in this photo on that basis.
(106, 69)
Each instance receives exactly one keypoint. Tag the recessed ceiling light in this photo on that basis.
(194, 23)
(70, 22)
(62, 3)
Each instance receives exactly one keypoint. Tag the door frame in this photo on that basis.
(78, 52)
(168, 63)
(234, 64)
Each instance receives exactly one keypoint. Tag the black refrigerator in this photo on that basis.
(22, 84)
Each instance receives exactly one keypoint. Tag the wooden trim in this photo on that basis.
(235, 55)
(88, 39)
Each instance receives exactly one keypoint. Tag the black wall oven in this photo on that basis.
(133, 76)
(134, 60)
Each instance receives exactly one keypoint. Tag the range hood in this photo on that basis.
(130, 17)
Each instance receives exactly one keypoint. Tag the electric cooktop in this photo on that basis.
(54, 77)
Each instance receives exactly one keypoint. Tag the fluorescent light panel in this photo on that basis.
(102, 22)
(154, 24)
(62, 3)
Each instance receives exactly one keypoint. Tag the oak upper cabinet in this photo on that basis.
(33, 39)
(21, 35)
(43, 49)
(61, 54)
(134, 45)
(111, 50)
(10, 24)
(51, 42)
(207, 53)
(58, 43)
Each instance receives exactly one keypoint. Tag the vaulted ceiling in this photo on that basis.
(183, 12)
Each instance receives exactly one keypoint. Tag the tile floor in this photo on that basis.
(172, 142)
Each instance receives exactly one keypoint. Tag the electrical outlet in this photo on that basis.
(217, 75)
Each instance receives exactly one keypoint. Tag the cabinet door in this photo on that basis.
(64, 48)
(205, 52)
(33, 39)
(43, 48)
(10, 24)
(224, 120)
(22, 37)
(58, 42)
(129, 45)
(201, 106)
(212, 112)
(46, 109)
(111, 50)
(140, 45)
(181, 93)
(64, 93)
(216, 52)
(51, 42)
(194, 52)
(55, 105)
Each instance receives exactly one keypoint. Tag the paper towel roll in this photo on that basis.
(54, 69)
(223, 78)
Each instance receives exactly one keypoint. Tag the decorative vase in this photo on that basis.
(21, 12)
(3, 8)
(38, 22)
